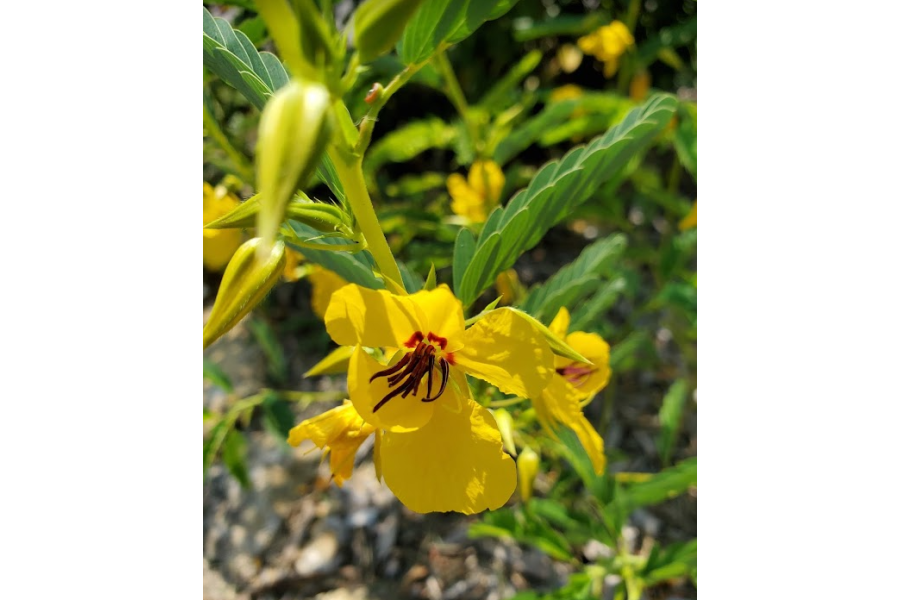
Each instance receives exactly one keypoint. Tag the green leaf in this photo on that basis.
(354, 268)
(670, 418)
(668, 37)
(408, 141)
(674, 561)
(662, 486)
(525, 29)
(277, 417)
(558, 188)
(412, 281)
(234, 455)
(326, 172)
(526, 134)
(576, 281)
(232, 56)
(276, 364)
(216, 375)
(213, 443)
(593, 309)
(495, 97)
(431, 280)
(446, 21)
(686, 137)
(463, 251)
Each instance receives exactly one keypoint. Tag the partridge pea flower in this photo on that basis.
(474, 199)
(218, 244)
(441, 451)
(574, 382)
(608, 44)
(339, 431)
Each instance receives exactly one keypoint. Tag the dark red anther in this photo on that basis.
(576, 374)
(404, 377)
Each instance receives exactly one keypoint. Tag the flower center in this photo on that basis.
(406, 375)
(576, 373)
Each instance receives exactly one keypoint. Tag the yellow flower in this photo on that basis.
(607, 44)
(573, 382)
(639, 86)
(569, 91)
(340, 431)
(292, 262)
(474, 198)
(689, 221)
(218, 244)
(324, 284)
(509, 287)
(440, 451)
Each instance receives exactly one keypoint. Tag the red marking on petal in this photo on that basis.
(432, 337)
(414, 340)
(448, 356)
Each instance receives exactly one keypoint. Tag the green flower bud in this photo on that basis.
(294, 130)
(378, 24)
(528, 464)
(247, 279)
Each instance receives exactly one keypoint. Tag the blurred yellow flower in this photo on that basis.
(509, 287)
(566, 92)
(474, 198)
(339, 431)
(292, 262)
(608, 44)
(218, 244)
(574, 382)
(639, 87)
(690, 220)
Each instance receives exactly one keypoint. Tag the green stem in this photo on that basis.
(349, 171)
(240, 163)
(368, 122)
(508, 402)
(455, 94)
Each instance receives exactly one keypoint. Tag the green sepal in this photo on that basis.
(431, 280)
(323, 217)
(337, 361)
(249, 276)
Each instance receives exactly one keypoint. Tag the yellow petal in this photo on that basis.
(218, 245)
(507, 351)
(340, 430)
(486, 179)
(690, 221)
(610, 67)
(443, 315)
(465, 201)
(559, 406)
(455, 463)
(595, 349)
(373, 318)
(566, 92)
(398, 413)
(324, 283)
(560, 324)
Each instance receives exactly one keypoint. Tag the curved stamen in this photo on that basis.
(445, 375)
(405, 376)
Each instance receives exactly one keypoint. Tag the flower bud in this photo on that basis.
(378, 24)
(294, 129)
(505, 425)
(247, 279)
(528, 464)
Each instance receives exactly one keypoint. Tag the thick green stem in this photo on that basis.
(349, 171)
(240, 163)
(456, 96)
